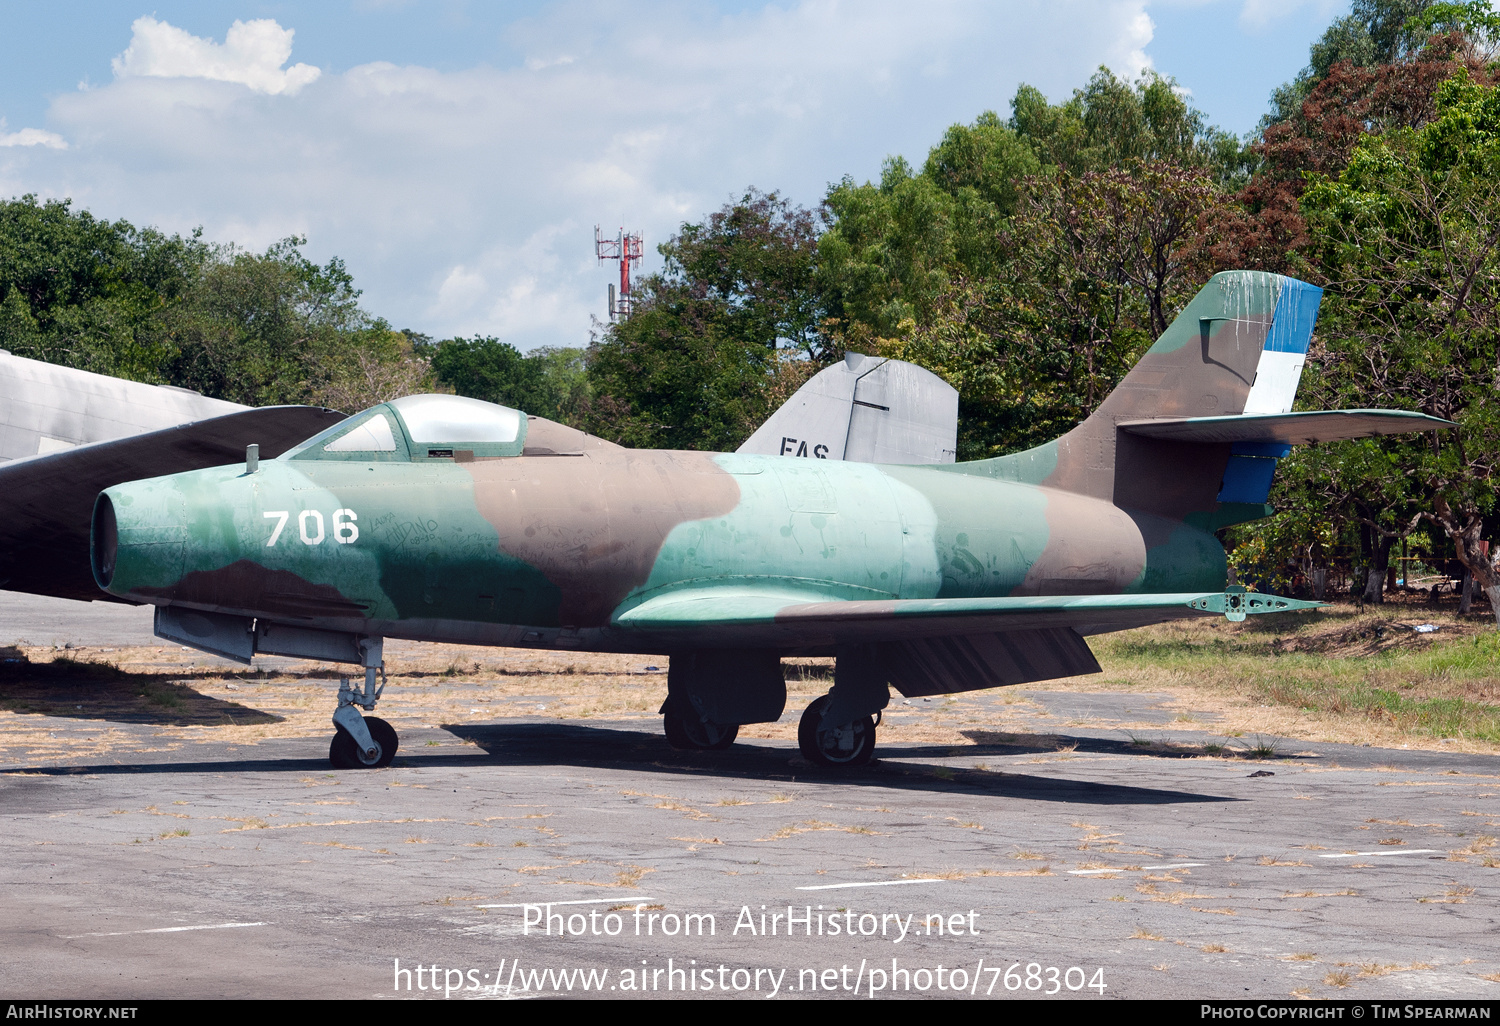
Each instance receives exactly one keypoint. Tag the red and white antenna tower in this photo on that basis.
(627, 250)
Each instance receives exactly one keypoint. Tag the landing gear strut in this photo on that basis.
(848, 744)
(361, 742)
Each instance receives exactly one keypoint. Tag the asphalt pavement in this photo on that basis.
(527, 856)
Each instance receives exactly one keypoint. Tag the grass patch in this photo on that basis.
(1361, 666)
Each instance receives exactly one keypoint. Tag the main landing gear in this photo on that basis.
(686, 730)
(361, 742)
(835, 745)
(710, 692)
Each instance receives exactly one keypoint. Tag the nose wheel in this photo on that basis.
(848, 744)
(362, 742)
(345, 753)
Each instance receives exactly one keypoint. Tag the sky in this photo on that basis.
(457, 156)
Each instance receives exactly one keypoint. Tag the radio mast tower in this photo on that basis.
(627, 250)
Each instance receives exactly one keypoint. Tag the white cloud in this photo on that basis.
(462, 287)
(31, 137)
(538, 63)
(464, 201)
(251, 55)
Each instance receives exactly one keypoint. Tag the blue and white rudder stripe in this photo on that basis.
(1280, 368)
(1252, 465)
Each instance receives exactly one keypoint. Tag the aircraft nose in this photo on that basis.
(137, 538)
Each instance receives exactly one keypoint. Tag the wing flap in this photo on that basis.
(948, 665)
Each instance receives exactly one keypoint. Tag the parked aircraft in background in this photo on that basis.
(868, 410)
(66, 434)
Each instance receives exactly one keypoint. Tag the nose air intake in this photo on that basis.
(104, 542)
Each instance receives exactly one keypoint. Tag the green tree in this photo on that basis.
(1099, 264)
(85, 292)
(1409, 239)
(547, 383)
(889, 252)
(1374, 32)
(918, 247)
(1264, 228)
(670, 377)
(752, 261)
(252, 328)
(713, 336)
(272, 328)
(1111, 121)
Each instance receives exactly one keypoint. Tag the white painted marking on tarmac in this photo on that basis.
(1122, 869)
(586, 901)
(1372, 854)
(874, 883)
(169, 929)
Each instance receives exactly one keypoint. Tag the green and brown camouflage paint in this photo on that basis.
(555, 545)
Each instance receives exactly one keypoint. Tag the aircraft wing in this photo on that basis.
(48, 407)
(931, 646)
(47, 502)
(791, 613)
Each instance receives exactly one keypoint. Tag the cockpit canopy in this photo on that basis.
(421, 427)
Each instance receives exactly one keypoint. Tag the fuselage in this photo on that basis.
(547, 550)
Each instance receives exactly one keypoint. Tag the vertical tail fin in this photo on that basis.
(1237, 348)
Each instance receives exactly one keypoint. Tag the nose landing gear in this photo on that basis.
(361, 742)
(344, 752)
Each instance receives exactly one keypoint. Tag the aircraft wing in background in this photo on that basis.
(47, 501)
(45, 408)
(865, 409)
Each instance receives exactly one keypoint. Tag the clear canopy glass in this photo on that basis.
(451, 419)
(374, 435)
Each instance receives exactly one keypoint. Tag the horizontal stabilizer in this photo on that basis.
(47, 501)
(1286, 428)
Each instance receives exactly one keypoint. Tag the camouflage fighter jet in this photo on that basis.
(444, 519)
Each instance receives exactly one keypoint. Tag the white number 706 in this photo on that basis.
(345, 532)
(280, 524)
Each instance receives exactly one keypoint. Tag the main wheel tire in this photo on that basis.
(344, 752)
(714, 736)
(687, 731)
(676, 731)
(825, 747)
